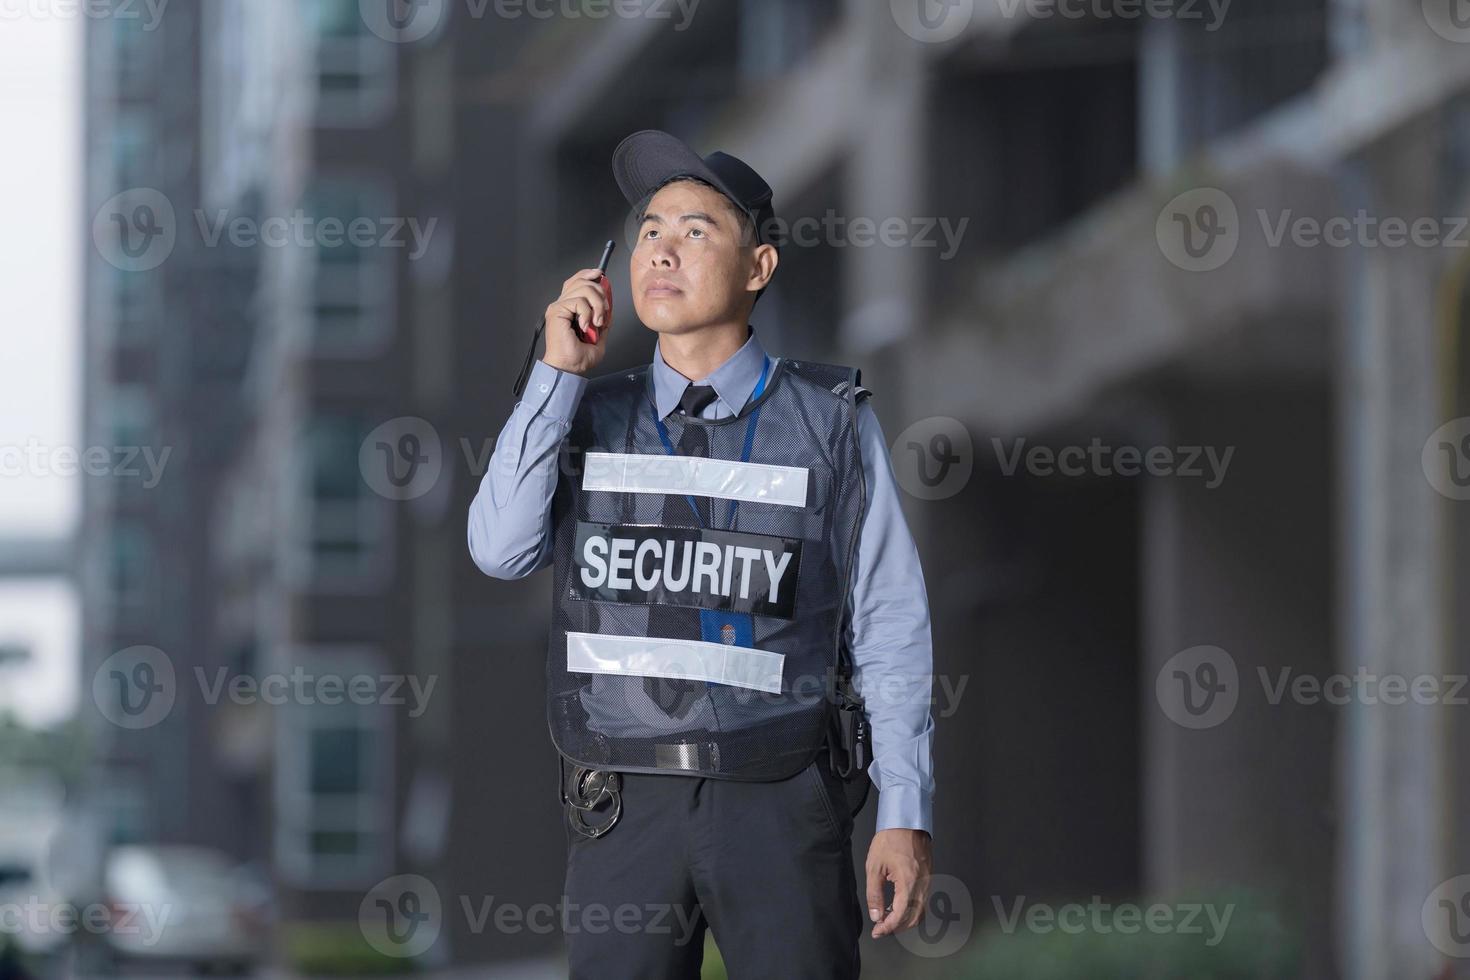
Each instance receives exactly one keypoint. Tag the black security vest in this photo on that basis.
(751, 613)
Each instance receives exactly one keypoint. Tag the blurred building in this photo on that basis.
(264, 555)
(1059, 318)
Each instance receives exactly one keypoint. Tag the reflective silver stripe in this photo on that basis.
(725, 478)
(652, 656)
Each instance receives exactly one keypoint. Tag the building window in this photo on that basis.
(135, 306)
(334, 781)
(131, 568)
(134, 448)
(134, 47)
(355, 69)
(345, 544)
(132, 148)
(353, 287)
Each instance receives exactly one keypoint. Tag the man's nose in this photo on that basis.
(663, 255)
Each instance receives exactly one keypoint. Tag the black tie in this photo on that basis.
(676, 697)
(694, 441)
(695, 398)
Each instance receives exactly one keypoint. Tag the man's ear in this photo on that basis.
(764, 260)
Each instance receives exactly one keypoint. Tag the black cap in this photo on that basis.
(650, 158)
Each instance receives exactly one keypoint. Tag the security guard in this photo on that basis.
(732, 570)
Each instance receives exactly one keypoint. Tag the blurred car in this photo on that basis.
(28, 900)
(185, 905)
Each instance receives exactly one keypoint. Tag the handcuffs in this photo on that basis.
(584, 791)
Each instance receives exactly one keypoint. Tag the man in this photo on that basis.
(731, 539)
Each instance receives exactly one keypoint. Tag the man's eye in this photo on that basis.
(650, 233)
(697, 232)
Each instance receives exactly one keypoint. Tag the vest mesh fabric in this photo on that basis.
(610, 721)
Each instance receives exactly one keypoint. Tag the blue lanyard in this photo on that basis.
(755, 416)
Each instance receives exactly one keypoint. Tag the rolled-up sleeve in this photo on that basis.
(509, 521)
(893, 657)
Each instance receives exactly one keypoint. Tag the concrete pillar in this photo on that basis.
(1236, 595)
(1394, 760)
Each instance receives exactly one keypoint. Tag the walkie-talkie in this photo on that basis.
(586, 333)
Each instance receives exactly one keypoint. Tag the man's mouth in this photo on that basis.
(661, 287)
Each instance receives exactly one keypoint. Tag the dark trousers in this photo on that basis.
(766, 866)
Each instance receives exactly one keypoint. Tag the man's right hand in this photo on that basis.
(586, 298)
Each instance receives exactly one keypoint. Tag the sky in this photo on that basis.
(40, 310)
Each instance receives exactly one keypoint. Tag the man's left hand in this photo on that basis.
(904, 857)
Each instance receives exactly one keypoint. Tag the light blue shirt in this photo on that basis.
(510, 536)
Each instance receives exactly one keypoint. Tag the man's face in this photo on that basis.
(689, 267)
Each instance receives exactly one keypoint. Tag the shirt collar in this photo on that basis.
(734, 381)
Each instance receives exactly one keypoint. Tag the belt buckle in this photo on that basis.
(686, 756)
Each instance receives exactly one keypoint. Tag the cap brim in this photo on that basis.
(645, 160)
